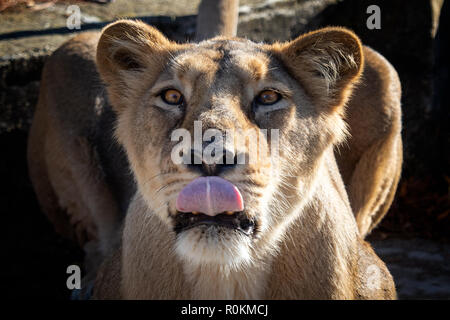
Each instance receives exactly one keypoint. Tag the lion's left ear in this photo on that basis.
(128, 50)
(327, 62)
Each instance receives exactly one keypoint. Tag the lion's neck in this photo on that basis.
(317, 247)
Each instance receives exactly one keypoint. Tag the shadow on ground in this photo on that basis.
(36, 257)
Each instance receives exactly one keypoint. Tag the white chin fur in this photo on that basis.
(209, 245)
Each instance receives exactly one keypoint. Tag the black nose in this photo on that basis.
(212, 165)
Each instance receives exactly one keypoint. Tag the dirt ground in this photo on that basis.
(36, 257)
(420, 267)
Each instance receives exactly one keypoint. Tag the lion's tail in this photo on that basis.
(217, 18)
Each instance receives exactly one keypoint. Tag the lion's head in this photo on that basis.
(255, 120)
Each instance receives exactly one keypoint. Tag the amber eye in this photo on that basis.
(268, 97)
(172, 96)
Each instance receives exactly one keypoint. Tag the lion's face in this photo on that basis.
(263, 113)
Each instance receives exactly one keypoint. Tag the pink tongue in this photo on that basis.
(211, 196)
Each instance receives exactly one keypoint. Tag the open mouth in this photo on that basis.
(212, 201)
(237, 221)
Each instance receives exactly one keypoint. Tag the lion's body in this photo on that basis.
(82, 177)
(370, 162)
(68, 146)
(330, 254)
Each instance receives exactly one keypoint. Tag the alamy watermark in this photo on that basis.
(215, 146)
(373, 277)
(74, 17)
(74, 278)
(374, 20)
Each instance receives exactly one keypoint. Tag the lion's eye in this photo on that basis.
(172, 96)
(268, 97)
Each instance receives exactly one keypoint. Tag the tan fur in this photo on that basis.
(63, 166)
(371, 159)
(305, 194)
(219, 19)
(308, 245)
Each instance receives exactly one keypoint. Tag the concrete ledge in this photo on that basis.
(403, 28)
(20, 72)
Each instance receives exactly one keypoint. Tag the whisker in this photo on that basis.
(155, 176)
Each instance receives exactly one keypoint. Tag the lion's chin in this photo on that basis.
(209, 245)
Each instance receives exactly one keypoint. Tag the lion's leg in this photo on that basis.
(383, 206)
(84, 197)
(373, 280)
(78, 181)
(217, 18)
(374, 182)
(63, 213)
(69, 184)
(38, 171)
(370, 162)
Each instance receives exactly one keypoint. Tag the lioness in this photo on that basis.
(279, 227)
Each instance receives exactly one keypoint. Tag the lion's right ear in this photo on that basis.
(327, 62)
(128, 46)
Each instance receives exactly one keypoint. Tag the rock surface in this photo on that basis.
(27, 38)
(421, 268)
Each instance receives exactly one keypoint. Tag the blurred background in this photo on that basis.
(413, 239)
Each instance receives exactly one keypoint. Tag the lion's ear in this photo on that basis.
(128, 45)
(327, 62)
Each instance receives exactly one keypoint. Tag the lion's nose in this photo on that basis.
(210, 163)
(210, 196)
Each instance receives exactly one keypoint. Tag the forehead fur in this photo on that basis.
(240, 57)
